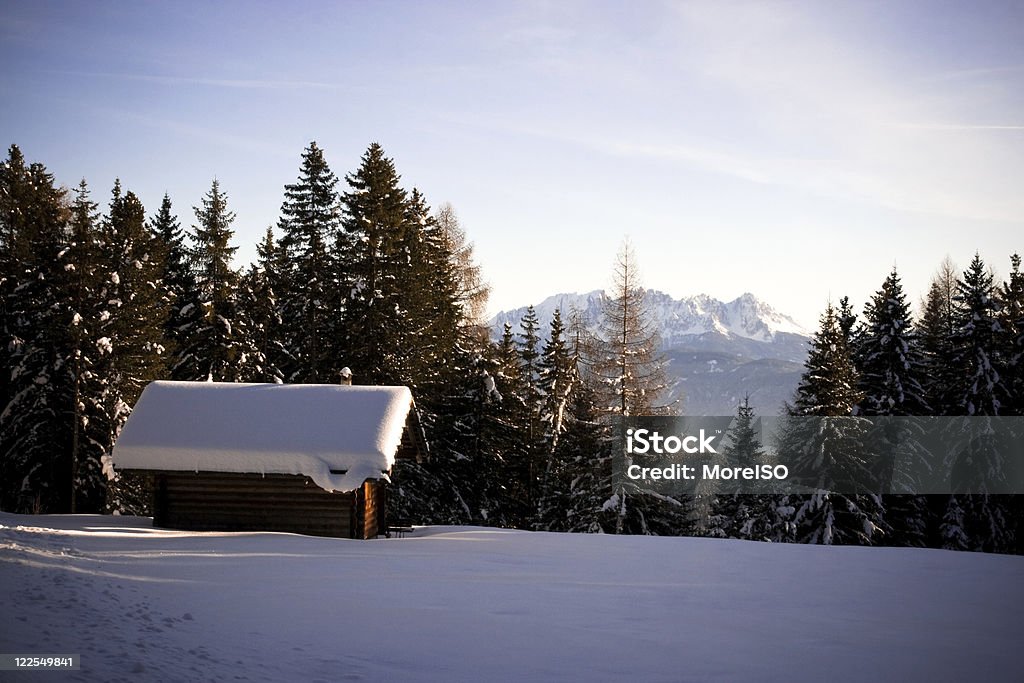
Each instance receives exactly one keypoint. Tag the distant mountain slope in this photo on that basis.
(717, 351)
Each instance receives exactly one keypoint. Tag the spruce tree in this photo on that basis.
(888, 355)
(430, 319)
(1011, 337)
(310, 300)
(557, 376)
(179, 283)
(557, 379)
(374, 226)
(260, 307)
(891, 364)
(579, 483)
(829, 454)
(35, 429)
(216, 346)
(132, 324)
(979, 393)
(847, 321)
(735, 514)
(84, 276)
(979, 389)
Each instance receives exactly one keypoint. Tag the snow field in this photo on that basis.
(464, 603)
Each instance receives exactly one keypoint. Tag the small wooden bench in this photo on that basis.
(399, 529)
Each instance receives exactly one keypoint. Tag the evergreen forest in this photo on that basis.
(101, 296)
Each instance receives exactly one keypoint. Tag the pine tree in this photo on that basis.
(978, 391)
(557, 380)
(83, 273)
(847, 321)
(216, 345)
(179, 283)
(260, 307)
(829, 453)
(35, 432)
(891, 365)
(1011, 337)
(735, 514)
(310, 301)
(374, 227)
(431, 321)
(579, 483)
(132, 324)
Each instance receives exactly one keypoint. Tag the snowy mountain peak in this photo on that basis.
(745, 317)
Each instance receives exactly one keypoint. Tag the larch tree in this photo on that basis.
(935, 333)
(629, 372)
(629, 363)
(472, 290)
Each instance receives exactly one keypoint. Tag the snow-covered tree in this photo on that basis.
(891, 372)
(35, 429)
(935, 331)
(216, 346)
(370, 251)
(978, 392)
(1011, 323)
(736, 514)
(310, 303)
(132, 321)
(261, 308)
(179, 283)
(827, 452)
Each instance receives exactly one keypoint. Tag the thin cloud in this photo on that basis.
(957, 126)
(262, 84)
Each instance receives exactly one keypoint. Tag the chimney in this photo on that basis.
(345, 377)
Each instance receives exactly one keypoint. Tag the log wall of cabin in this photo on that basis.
(370, 505)
(222, 501)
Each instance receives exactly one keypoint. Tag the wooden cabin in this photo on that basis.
(303, 458)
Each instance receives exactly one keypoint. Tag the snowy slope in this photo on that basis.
(465, 604)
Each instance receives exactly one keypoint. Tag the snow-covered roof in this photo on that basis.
(308, 429)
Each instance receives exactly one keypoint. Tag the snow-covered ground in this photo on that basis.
(472, 604)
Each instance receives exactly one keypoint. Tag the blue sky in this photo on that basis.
(795, 150)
